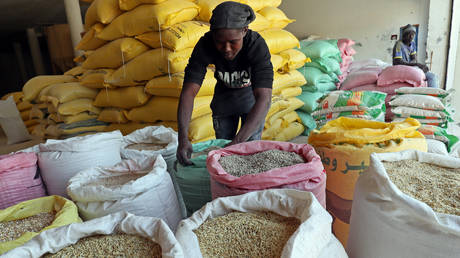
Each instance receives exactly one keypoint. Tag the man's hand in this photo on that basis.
(184, 153)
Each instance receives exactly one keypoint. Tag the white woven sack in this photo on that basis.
(56, 239)
(150, 195)
(313, 238)
(59, 160)
(152, 134)
(385, 222)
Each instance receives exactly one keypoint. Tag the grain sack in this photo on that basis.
(19, 179)
(11, 122)
(17, 96)
(23, 105)
(278, 40)
(32, 217)
(56, 240)
(112, 115)
(290, 92)
(96, 78)
(384, 215)
(165, 109)
(294, 59)
(402, 73)
(345, 145)
(193, 180)
(89, 41)
(289, 105)
(33, 86)
(201, 128)
(127, 5)
(289, 132)
(151, 39)
(32, 122)
(183, 35)
(76, 128)
(103, 11)
(115, 54)
(127, 128)
(313, 236)
(140, 186)
(171, 86)
(65, 92)
(278, 62)
(320, 49)
(260, 23)
(59, 160)
(277, 18)
(149, 17)
(127, 98)
(83, 116)
(310, 100)
(284, 80)
(77, 106)
(303, 172)
(435, 92)
(151, 141)
(206, 7)
(150, 64)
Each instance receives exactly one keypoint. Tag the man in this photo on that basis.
(244, 77)
(405, 53)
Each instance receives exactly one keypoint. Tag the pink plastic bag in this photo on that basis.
(19, 180)
(389, 89)
(402, 73)
(361, 77)
(309, 176)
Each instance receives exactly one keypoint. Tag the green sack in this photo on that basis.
(310, 100)
(193, 180)
(323, 69)
(320, 49)
(314, 75)
(438, 133)
(307, 121)
(322, 87)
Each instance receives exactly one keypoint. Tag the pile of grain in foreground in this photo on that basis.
(436, 186)
(240, 234)
(13, 229)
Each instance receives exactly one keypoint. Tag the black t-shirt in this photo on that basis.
(236, 79)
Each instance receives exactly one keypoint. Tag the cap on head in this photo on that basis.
(231, 15)
(408, 28)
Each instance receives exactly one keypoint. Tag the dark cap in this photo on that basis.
(231, 15)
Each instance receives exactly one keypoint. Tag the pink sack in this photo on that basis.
(361, 77)
(389, 89)
(309, 176)
(402, 73)
(19, 180)
(342, 44)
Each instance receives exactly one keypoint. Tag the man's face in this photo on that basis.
(229, 41)
(409, 37)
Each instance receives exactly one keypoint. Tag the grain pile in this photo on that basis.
(240, 234)
(240, 165)
(115, 181)
(147, 146)
(436, 186)
(11, 230)
(117, 245)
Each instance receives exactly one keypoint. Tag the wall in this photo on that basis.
(456, 82)
(369, 22)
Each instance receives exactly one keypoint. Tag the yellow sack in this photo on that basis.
(288, 133)
(291, 92)
(131, 127)
(38, 130)
(290, 105)
(278, 62)
(112, 115)
(89, 41)
(43, 95)
(84, 129)
(360, 131)
(272, 130)
(23, 105)
(294, 59)
(148, 17)
(115, 53)
(25, 115)
(96, 78)
(128, 97)
(83, 116)
(183, 35)
(279, 40)
(206, 7)
(55, 117)
(277, 18)
(127, 5)
(151, 39)
(281, 81)
(150, 64)
(260, 23)
(290, 118)
(65, 92)
(277, 104)
(66, 212)
(77, 106)
(76, 71)
(201, 128)
(17, 96)
(103, 11)
(32, 122)
(33, 86)
(165, 109)
(171, 86)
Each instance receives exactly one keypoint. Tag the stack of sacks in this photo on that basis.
(430, 106)
(25, 108)
(369, 105)
(346, 53)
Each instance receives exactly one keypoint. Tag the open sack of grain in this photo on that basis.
(119, 234)
(260, 165)
(270, 223)
(21, 222)
(408, 201)
(141, 186)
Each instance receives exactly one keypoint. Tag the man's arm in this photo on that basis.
(256, 116)
(184, 113)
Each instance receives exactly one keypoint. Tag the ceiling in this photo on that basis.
(18, 15)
